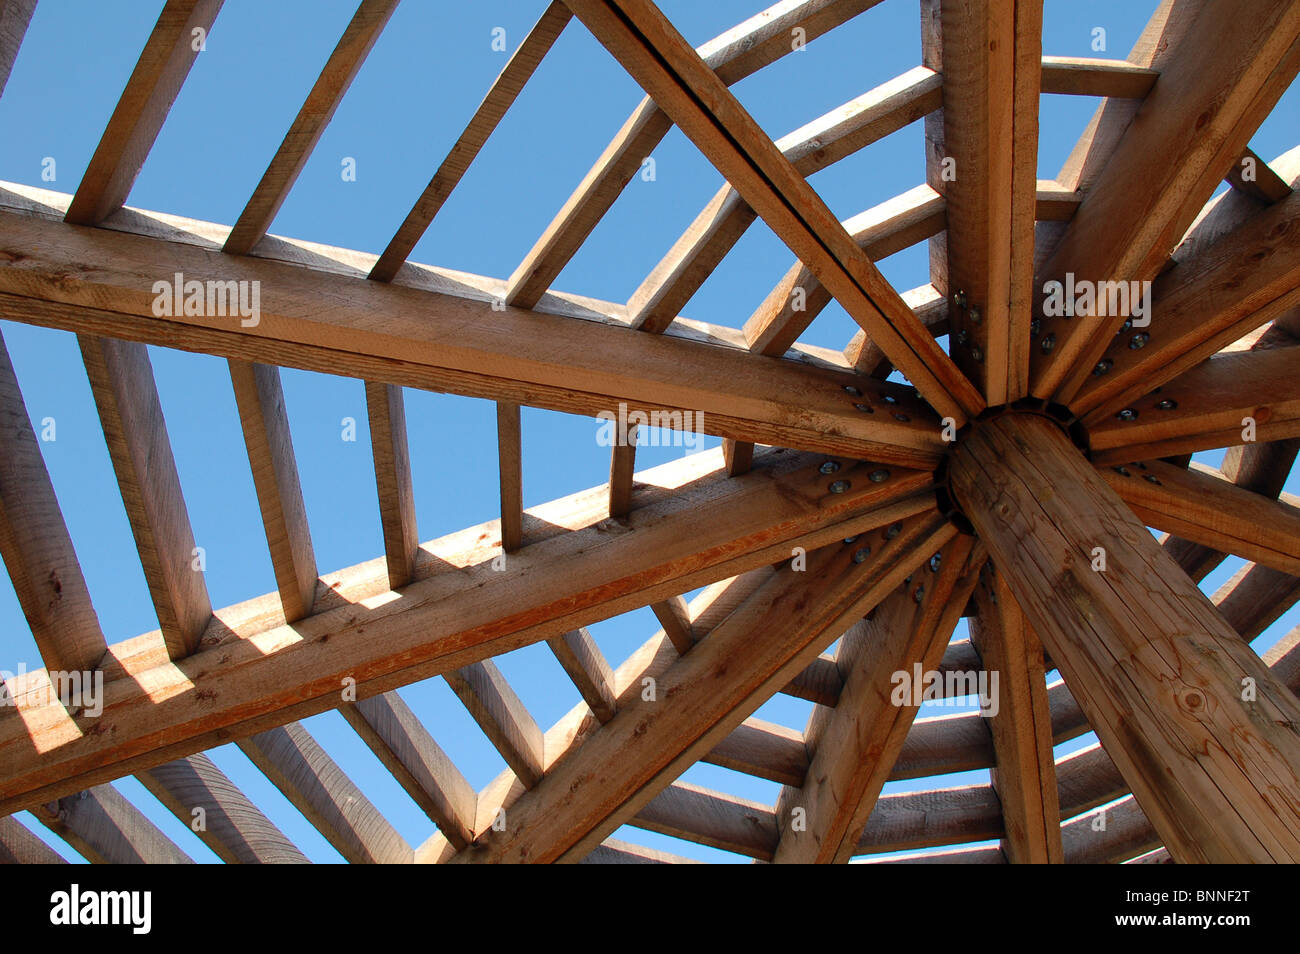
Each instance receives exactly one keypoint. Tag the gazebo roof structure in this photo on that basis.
(1078, 341)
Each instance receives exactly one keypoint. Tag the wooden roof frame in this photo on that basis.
(903, 508)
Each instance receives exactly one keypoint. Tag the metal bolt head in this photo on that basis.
(1048, 343)
(976, 352)
(893, 530)
(839, 486)
(860, 555)
(1128, 414)
(919, 593)
(1168, 404)
(852, 390)
(1151, 478)
(1104, 365)
(935, 562)
(902, 417)
(1123, 470)
(975, 316)
(1128, 323)
(878, 476)
(1035, 324)
(962, 336)
(890, 399)
(829, 467)
(1139, 340)
(850, 539)
(865, 408)
(959, 299)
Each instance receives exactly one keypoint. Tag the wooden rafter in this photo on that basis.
(340, 69)
(855, 745)
(1183, 684)
(684, 87)
(587, 796)
(138, 118)
(1226, 74)
(14, 18)
(571, 577)
(743, 50)
(991, 56)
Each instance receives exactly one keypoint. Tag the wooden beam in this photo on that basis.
(1025, 772)
(14, 17)
(1220, 82)
(140, 113)
(722, 821)
(1247, 397)
(622, 463)
(306, 775)
(1255, 177)
(854, 745)
(811, 148)
(121, 378)
(267, 438)
(341, 324)
(615, 852)
(18, 846)
(699, 102)
(1255, 598)
(742, 50)
(510, 456)
(317, 110)
(1199, 505)
(1171, 714)
(36, 545)
(502, 716)
(397, 737)
(387, 411)
(1127, 834)
(788, 621)
(231, 825)
(104, 828)
(500, 97)
(674, 616)
(992, 66)
(799, 297)
(582, 659)
(764, 750)
(697, 526)
(1089, 76)
(1243, 280)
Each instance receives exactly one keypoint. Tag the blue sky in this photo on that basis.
(406, 107)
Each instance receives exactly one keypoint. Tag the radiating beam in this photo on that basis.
(1155, 668)
(1223, 77)
(855, 744)
(675, 76)
(1199, 505)
(701, 698)
(992, 56)
(696, 526)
